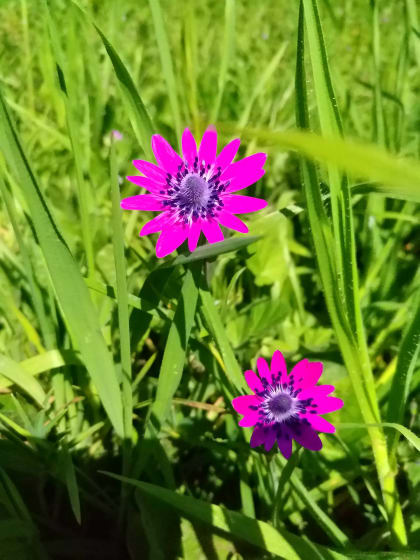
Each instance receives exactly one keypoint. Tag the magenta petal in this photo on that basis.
(230, 221)
(241, 404)
(239, 183)
(170, 239)
(320, 424)
(240, 204)
(306, 436)
(278, 366)
(212, 231)
(141, 202)
(157, 224)
(253, 381)
(328, 404)
(316, 391)
(264, 370)
(165, 155)
(147, 183)
(227, 154)
(189, 147)
(208, 146)
(258, 437)
(284, 441)
(250, 419)
(306, 374)
(150, 170)
(194, 235)
(244, 167)
(270, 438)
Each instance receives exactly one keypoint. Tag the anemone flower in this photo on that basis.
(195, 193)
(285, 407)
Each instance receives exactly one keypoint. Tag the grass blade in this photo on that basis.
(71, 291)
(258, 533)
(15, 373)
(167, 65)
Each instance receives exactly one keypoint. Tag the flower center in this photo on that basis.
(193, 193)
(280, 404)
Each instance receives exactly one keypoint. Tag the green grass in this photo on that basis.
(117, 439)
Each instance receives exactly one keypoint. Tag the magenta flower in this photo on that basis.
(195, 193)
(285, 407)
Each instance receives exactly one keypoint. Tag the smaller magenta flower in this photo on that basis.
(285, 407)
(195, 193)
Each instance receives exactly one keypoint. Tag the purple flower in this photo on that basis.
(116, 134)
(285, 407)
(195, 193)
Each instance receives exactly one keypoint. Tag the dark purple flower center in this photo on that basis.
(280, 404)
(194, 192)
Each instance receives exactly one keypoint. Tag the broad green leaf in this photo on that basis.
(16, 374)
(258, 533)
(70, 289)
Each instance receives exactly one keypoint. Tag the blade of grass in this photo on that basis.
(17, 375)
(70, 289)
(258, 533)
(227, 52)
(167, 64)
(338, 312)
(69, 97)
(407, 359)
(136, 110)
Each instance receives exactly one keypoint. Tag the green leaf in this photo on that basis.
(16, 374)
(206, 252)
(71, 292)
(258, 533)
(408, 434)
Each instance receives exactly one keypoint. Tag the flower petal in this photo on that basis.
(230, 221)
(237, 184)
(270, 438)
(194, 235)
(165, 155)
(305, 374)
(212, 231)
(239, 204)
(316, 391)
(253, 381)
(189, 147)
(278, 366)
(243, 403)
(320, 424)
(150, 170)
(244, 166)
(306, 436)
(147, 183)
(227, 154)
(208, 146)
(284, 441)
(250, 419)
(258, 437)
(142, 202)
(170, 239)
(328, 404)
(157, 224)
(264, 371)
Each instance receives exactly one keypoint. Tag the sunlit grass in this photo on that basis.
(117, 369)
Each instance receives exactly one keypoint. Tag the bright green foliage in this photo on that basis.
(117, 437)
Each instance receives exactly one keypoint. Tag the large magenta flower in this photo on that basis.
(285, 407)
(195, 193)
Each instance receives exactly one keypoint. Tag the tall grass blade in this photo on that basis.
(167, 64)
(258, 533)
(70, 289)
